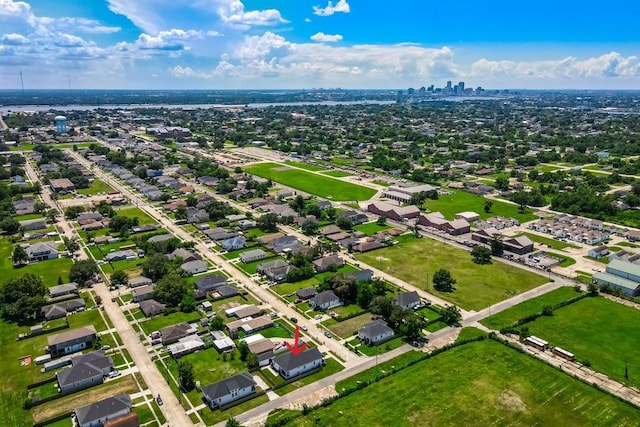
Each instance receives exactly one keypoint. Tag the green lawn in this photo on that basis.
(49, 270)
(478, 286)
(305, 166)
(598, 330)
(28, 217)
(346, 328)
(461, 201)
(386, 346)
(156, 323)
(552, 243)
(143, 218)
(97, 187)
(535, 305)
(332, 366)
(456, 388)
(319, 185)
(371, 228)
(470, 333)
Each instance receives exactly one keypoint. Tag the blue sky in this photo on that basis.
(261, 44)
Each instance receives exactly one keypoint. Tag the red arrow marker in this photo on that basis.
(295, 348)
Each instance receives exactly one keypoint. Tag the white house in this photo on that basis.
(325, 300)
(252, 255)
(194, 267)
(408, 300)
(375, 332)
(42, 251)
(95, 414)
(229, 390)
(598, 252)
(289, 365)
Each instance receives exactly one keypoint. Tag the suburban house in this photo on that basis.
(439, 222)
(139, 281)
(142, 293)
(227, 291)
(394, 212)
(289, 365)
(598, 252)
(249, 325)
(262, 348)
(126, 254)
(160, 238)
(252, 255)
(96, 414)
(222, 342)
(185, 254)
(408, 300)
(361, 275)
(71, 341)
(325, 300)
(209, 283)
(185, 346)
(245, 310)
(330, 229)
(306, 293)
(174, 333)
(194, 267)
(375, 332)
(355, 217)
(62, 290)
(246, 224)
(61, 309)
(86, 371)
(151, 307)
(229, 390)
(33, 224)
(275, 270)
(234, 243)
(326, 263)
(42, 251)
(621, 275)
(61, 185)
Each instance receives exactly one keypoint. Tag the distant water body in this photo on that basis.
(22, 108)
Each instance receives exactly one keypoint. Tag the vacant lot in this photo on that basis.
(461, 201)
(97, 187)
(337, 174)
(49, 270)
(143, 218)
(319, 185)
(305, 166)
(478, 285)
(346, 328)
(456, 388)
(371, 228)
(598, 330)
(526, 308)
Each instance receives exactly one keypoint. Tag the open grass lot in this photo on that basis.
(461, 201)
(213, 417)
(552, 243)
(346, 328)
(456, 388)
(478, 285)
(535, 305)
(143, 218)
(97, 187)
(332, 366)
(319, 185)
(337, 174)
(27, 217)
(49, 270)
(371, 228)
(158, 322)
(305, 166)
(598, 330)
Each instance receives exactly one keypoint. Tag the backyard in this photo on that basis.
(456, 388)
(49, 270)
(96, 187)
(478, 286)
(462, 201)
(320, 185)
(143, 218)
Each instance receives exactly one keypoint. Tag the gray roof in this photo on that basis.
(160, 238)
(210, 282)
(137, 281)
(41, 247)
(84, 366)
(151, 307)
(288, 361)
(64, 288)
(623, 266)
(103, 408)
(71, 335)
(375, 328)
(252, 253)
(226, 386)
(306, 292)
(227, 291)
(407, 298)
(193, 265)
(324, 297)
(64, 306)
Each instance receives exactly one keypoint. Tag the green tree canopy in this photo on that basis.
(22, 297)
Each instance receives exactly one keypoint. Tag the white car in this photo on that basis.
(114, 374)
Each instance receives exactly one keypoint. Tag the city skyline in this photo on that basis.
(232, 44)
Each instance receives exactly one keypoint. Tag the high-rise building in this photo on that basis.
(448, 88)
(461, 88)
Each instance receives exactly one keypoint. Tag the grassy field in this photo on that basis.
(597, 330)
(319, 185)
(461, 201)
(158, 322)
(305, 166)
(456, 388)
(143, 218)
(346, 328)
(478, 286)
(552, 243)
(371, 228)
(535, 305)
(97, 187)
(337, 174)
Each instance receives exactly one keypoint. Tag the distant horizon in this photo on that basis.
(268, 44)
(259, 90)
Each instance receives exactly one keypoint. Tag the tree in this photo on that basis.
(309, 226)
(497, 247)
(481, 255)
(171, 289)
(181, 213)
(451, 315)
(185, 374)
(365, 295)
(21, 298)
(252, 361)
(381, 220)
(155, 267)
(188, 303)
(71, 244)
(412, 326)
(82, 271)
(487, 206)
(547, 310)
(268, 222)
(119, 278)
(592, 289)
(10, 225)
(443, 282)
(344, 223)
(216, 323)
(502, 183)
(19, 255)
(232, 422)
(382, 306)
(243, 348)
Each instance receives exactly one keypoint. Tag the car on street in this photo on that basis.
(294, 319)
(328, 334)
(159, 400)
(304, 328)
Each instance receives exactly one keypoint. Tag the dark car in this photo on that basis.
(294, 319)
(159, 400)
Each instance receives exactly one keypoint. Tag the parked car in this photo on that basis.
(304, 328)
(159, 400)
(328, 334)
(294, 319)
(114, 374)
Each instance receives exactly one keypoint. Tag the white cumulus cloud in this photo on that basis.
(326, 38)
(340, 7)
